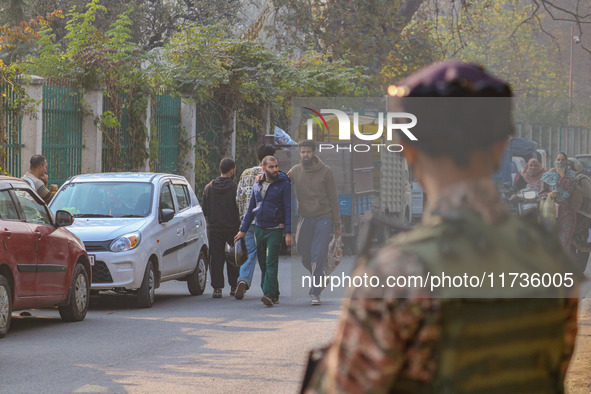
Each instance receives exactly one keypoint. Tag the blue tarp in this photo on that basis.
(503, 175)
(522, 147)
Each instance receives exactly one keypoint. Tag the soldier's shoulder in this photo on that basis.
(422, 233)
(394, 259)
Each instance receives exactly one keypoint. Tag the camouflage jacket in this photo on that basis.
(382, 339)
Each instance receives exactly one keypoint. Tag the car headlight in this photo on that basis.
(125, 242)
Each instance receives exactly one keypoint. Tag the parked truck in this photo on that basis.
(367, 181)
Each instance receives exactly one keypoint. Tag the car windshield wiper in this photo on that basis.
(92, 215)
(131, 216)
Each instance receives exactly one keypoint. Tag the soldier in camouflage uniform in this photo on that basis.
(403, 339)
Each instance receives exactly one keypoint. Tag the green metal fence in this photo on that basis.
(117, 161)
(167, 119)
(13, 124)
(62, 132)
(207, 155)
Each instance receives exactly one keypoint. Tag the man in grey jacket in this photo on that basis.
(318, 208)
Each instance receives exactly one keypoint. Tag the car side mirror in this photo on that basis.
(64, 218)
(165, 215)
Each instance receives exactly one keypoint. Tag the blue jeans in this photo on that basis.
(247, 269)
(312, 239)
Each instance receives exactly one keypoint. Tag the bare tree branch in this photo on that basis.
(574, 14)
(526, 20)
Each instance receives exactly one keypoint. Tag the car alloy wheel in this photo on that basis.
(196, 281)
(152, 290)
(146, 293)
(77, 306)
(4, 306)
(202, 270)
(81, 292)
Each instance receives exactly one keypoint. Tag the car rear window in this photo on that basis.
(7, 208)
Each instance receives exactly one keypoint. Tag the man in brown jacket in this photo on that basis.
(319, 212)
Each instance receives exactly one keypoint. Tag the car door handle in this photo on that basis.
(7, 233)
(179, 231)
(38, 234)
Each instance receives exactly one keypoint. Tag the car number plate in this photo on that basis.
(91, 258)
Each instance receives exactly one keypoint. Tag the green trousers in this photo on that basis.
(268, 243)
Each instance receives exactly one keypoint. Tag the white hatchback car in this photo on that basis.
(139, 229)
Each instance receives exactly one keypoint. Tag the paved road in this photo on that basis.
(183, 344)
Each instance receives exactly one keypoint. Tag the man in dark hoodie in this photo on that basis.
(270, 207)
(318, 208)
(223, 220)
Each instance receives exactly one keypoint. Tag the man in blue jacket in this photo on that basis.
(270, 207)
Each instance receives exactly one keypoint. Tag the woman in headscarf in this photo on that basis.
(559, 183)
(531, 176)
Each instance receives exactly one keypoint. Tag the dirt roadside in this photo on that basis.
(578, 379)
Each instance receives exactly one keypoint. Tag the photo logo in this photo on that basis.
(319, 120)
(392, 120)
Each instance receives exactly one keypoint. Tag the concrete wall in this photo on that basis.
(92, 137)
(32, 125)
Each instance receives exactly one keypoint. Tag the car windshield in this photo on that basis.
(585, 161)
(105, 199)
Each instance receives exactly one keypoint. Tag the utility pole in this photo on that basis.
(570, 74)
(573, 40)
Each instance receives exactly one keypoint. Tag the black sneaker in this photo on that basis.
(240, 290)
(267, 301)
(217, 293)
(232, 292)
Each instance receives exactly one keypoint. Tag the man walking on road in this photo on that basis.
(223, 220)
(408, 339)
(247, 181)
(270, 208)
(318, 209)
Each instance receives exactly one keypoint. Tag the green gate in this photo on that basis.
(167, 120)
(13, 125)
(115, 160)
(207, 153)
(62, 132)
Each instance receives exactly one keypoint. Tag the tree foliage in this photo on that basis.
(499, 35)
(96, 59)
(233, 72)
(14, 101)
(154, 21)
(496, 34)
(362, 32)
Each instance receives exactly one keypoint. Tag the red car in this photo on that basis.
(42, 264)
